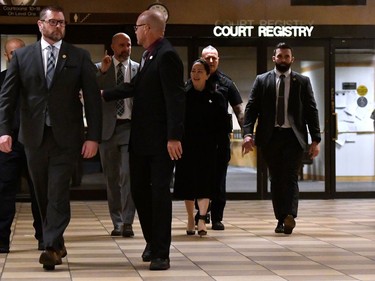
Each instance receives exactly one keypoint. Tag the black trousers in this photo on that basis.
(283, 155)
(219, 196)
(150, 177)
(13, 166)
(51, 168)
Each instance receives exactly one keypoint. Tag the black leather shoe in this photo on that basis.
(289, 224)
(159, 264)
(116, 231)
(127, 231)
(49, 258)
(280, 227)
(217, 225)
(146, 256)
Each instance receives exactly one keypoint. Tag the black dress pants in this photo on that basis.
(283, 155)
(150, 177)
(12, 166)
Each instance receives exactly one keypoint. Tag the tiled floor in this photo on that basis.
(333, 240)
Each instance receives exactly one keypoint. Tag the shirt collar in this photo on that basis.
(45, 44)
(116, 62)
(278, 73)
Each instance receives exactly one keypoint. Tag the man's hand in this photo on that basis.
(6, 143)
(314, 149)
(174, 149)
(89, 149)
(247, 144)
(106, 62)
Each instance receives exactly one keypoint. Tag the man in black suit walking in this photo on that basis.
(12, 166)
(47, 77)
(155, 139)
(283, 104)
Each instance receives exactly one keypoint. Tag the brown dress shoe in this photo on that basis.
(289, 224)
(49, 258)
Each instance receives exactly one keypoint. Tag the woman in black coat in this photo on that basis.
(205, 122)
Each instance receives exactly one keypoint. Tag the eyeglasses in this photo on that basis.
(137, 26)
(53, 22)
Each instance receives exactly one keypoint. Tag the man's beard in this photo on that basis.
(282, 67)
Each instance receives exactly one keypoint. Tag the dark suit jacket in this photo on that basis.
(302, 109)
(159, 100)
(26, 79)
(105, 81)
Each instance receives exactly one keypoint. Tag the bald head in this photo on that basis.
(10, 46)
(150, 27)
(211, 56)
(121, 46)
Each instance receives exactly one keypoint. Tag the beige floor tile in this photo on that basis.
(334, 240)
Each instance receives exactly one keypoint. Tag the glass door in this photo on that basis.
(310, 61)
(354, 101)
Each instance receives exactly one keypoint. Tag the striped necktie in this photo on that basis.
(50, 64)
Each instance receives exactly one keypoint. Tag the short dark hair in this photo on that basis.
(43, 12)
(205, 64)
(282, 45)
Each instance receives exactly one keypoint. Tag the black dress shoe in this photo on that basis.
(289, 224)
(280, 227)
(159, 264)
(218, 225)
(116, 231)
(49, 258)
(127, 231)
(146, 256)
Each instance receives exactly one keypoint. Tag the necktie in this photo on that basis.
(120, 106)
(281, 102)
(50, 64)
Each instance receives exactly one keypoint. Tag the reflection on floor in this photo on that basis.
(242, 179)
(333, 240)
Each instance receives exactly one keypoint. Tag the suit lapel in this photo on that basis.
(133, 69)
(293, 92)
(62, 57)
(39, 62)
(271, 88)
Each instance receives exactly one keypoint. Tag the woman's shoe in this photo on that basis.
(202, 232)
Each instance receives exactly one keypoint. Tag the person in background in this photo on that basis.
(114, 148)
(205, 127)
(12, 166)
(155, 138)
(282, 103)
(47, 77)
(233, 97)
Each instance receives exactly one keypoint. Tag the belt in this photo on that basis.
(122, 121)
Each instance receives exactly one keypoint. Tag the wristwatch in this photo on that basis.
(161, 8)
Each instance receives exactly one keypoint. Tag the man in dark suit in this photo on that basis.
(233, 97)
(114, 148)
(283, 104)
(155, 139)
(12, 166)
(47, 77)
